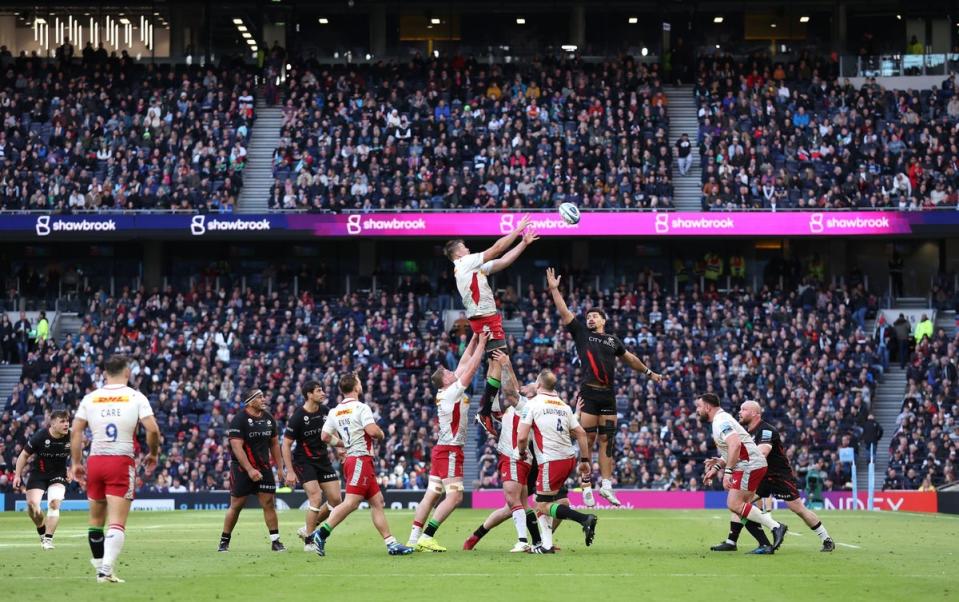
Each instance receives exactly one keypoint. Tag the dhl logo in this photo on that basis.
(344, 412)
(553, 402)
(112, 399)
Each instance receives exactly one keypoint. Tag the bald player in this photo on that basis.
(780, 480)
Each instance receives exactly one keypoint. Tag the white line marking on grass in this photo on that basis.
(848, 545)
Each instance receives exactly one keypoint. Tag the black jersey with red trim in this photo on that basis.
(257, 433)
(778, 463)
(597, 353)
(49, 453)
(305, 429)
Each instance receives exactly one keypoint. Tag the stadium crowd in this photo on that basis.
(107, 132)
(195, 351)
(458, 134)
(795, 136)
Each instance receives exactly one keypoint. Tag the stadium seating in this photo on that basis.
(795, 136)
(460, 135)
(196, 351)
(111, 134)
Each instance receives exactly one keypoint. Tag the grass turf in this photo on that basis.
(637, 555)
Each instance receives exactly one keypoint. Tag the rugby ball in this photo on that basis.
(570, 213)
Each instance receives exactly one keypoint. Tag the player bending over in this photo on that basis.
(554, 426)
(597, 353)
(112, 413)
(745, 468)
(446, 459)
(780, 480)
(310, 461)
(254, 438)
(49, 448)
(350, 424)
(470, 271)
(514, 472)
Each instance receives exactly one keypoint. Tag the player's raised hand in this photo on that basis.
(501, 358)
(552, 280)
(523, 223)
(530, 236)
(656, 377)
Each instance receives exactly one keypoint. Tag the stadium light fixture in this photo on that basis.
(369, 56)
(644, 51)
(241, 28)
(251, 42)
(773, 25)
(804, 19)
(247, 35)
(436, 54)
(633, 20)
(718, 19)
(569, 47)
(435, 21)
(324, 21)
(898, 17)
(238, 21)
(520, 21)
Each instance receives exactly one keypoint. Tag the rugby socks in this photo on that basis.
(492, 388)
(519, 521)
(390, 541)
(562, 511)
(757, 532)
(95, 539)
(607, 484)
(480, 532)
(754, 514)
(546, 531)
(532, 525)
(819, 530)
(42, 530)
(431, 527)
(112, 546)
(274, 535)
(225, 538)
(325, 531)
(416, 531)
(735, 528)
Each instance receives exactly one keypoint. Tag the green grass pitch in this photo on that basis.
(638, 555)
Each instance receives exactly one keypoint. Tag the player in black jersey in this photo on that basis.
(310, 461)
(50, 448)
(780, 480)
(253, 439)
(597, 353)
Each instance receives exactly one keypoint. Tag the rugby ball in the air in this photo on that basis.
(569, 213)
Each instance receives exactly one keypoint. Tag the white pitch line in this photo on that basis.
(848, 545)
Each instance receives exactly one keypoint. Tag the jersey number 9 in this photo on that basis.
(111, 431)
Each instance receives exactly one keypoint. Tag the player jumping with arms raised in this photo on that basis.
(112, 413)
(310, 461)
(50, 448)
(471, 271)
(745, 468)
(597, 353)
(350, 424)
(554, 426)
(446, 458)
(780, 480)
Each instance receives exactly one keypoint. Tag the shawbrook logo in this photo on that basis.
(666, 222)
(357, 224)
(47, 224)
(507, 223)
(818, 223)
(200, 225)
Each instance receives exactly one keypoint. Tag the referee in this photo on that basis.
(597, 352)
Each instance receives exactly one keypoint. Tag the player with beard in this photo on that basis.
(597, 352)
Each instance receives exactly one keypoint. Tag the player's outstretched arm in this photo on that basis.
(474, 362)
(153, 443)
(504, 243)
(637, 364)
(552, 282)
(507, 260)
(76, 449)
(522, 438)
(467, 356)
(21, 464)
(509, 386)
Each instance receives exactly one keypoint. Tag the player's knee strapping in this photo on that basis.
(53, 513)
(56, 492)
(609, 431)
(315, 509)
(454, 486)
(436, 485)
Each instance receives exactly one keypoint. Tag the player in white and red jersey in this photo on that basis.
(112, 412)
(745, 466)
(514, 473)
(470, 271)
(554, 426)
(351, 425)
(446, 459)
